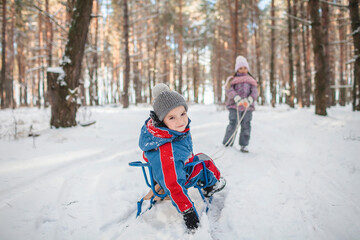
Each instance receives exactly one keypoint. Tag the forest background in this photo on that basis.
(67, 54)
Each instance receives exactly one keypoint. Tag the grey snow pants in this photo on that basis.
(245, 127)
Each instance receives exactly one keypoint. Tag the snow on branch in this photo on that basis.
(356, 31)
(353, 60)
(60, 71)
(340, 42)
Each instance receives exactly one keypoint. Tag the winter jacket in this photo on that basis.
(244, 86)
(168, 151)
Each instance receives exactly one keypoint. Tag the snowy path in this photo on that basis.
(300, 180)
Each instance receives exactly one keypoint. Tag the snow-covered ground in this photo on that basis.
(301, 179)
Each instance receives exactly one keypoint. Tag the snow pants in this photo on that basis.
(245, 127)
(195, 171)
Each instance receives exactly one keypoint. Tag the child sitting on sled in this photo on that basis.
(166, 141)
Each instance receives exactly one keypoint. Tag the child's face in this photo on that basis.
(242, 70)
(176, 119)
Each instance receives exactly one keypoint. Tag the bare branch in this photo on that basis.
(335, 4)
(49, 16)
(304, 21)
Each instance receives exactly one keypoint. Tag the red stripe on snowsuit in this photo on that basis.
(177, 194)
(145, 158)
(209, 164)
(157, 132)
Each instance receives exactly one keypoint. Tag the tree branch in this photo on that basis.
(304, 21)
(49, 16)
(335, 4)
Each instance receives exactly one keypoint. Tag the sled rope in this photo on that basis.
(231, 140)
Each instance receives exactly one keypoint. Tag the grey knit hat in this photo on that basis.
(165, 100)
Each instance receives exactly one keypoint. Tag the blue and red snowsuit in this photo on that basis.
(169, 152)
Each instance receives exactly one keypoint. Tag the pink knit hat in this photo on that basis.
(241, 62)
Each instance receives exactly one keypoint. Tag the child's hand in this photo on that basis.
(246, 102)
(237, 100)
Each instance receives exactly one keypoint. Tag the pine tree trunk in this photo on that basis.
(325, 29)
(333, 58)
(233, 13)
(20, 58)
(125, 95)
(355, 25)
(3, 57)
(306, 52)
(272, 58)
(49, 35)
(219, 72)
(149, 71)
(258, 55)
(342, 35)
(299, 82)
(181, 48)
(187, 78)
(137, 83)
(95, 92)
(11, 56)
(21, 68)
(49, 45)
(291, 67)
(195, 74)
(64, 89)
(319, 59)
(40, 65)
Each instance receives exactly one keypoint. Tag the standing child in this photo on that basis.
(166, 141)
(241, 92)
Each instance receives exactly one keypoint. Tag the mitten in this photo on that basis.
(156, 120)
(244, 102)
(191, 219)
(237, 99)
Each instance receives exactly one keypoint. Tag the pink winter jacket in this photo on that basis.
(244, 86)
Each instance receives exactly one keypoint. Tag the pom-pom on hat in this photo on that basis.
(165, 100)
(241, 62)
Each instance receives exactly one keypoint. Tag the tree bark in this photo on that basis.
(342, 35)
(195, 74)
(65, 89)
(219, 72)
(49, 35)
(299, 82)
(291, 66)
(306, 52)
(3, 57)
(355, 25)
(95, 92)
(319, 59)
(272, 58)
(20, 57)
(181, 48)
(125, 94)
(40, 79)
(325, 24)
(11, 57)
(233, 13)
(257, 35)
